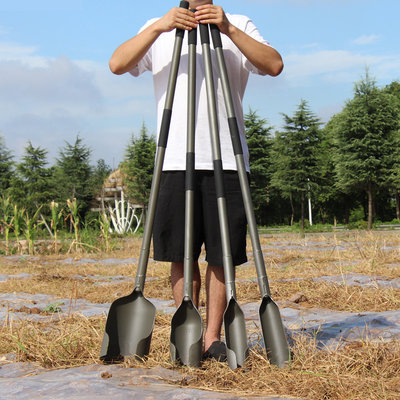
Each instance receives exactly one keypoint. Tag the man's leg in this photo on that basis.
(215, 292)
(216, 304)
(177, 283)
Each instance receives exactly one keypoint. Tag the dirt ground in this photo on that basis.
(338, 294)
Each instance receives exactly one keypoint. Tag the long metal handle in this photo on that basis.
(217, 162)
(190, 169)
(238, 151)
(159, 160)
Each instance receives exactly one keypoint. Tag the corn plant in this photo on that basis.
(105, 226)
(56, 215)
(73, 216)
(6, 219)
(18, 223)
(31, 224)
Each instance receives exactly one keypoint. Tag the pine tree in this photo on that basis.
(295, 157)
(100, 173)
(73, 175)
(138, 166)
(259, 142)
(334, 203)
(31, 184)
(6, 166)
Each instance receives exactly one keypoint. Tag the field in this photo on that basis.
(339, 296)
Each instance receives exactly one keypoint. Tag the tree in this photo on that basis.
(73, 174)
(295, 156)
(394, 89)
(31, 183)
(6, 166)
(333, 202)
(100, 173)
(138, 166)
(366, 141)
(259, 142)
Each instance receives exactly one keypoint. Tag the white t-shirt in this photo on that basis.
(158, 60)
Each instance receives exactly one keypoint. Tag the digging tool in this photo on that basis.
(130, 320)
(234, 322)
(272, 327)
(186, 340)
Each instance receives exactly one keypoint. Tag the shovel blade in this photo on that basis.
(186, 340)
(275, 341)
(235, 335)
(128, 328)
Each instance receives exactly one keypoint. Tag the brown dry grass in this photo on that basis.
(358, 370)
(328, 295)
(60, 343)
(323, 294)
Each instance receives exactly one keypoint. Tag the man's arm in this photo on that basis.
(128, 54)
(263, 57)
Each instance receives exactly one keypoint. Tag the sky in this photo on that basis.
(55, 83)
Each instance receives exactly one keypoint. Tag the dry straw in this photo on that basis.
(363, 369)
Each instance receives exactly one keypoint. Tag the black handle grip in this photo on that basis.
(164, 129)
(216, 36)
(192, 36)
(183, 4)
(219, 179)
(204, 34)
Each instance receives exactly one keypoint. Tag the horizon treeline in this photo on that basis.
(348, 168)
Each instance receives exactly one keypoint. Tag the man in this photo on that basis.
(245, 51)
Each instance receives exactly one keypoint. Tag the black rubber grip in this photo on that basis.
(216, 36)
(192, 37)
(164, 131)
(183, 4)
(190, 173)
(219, 179)
(204, 34)
(234, 130)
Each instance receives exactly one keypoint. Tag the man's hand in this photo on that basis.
(128, 54)
(177, 17)
(212, 14)
(263, 57)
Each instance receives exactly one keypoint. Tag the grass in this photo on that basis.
(361, 369)
(357, 370)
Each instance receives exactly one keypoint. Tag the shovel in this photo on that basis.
(186, 340)
(234, 322)
(274, 336)
(130, 320)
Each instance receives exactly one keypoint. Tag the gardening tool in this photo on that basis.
(272, 327)
(234, 322)
(186, 339)
(130, 320)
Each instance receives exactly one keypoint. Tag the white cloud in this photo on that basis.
(334, 65)
(50, 100)
(366, 39)
(25, 54)
(58, 85)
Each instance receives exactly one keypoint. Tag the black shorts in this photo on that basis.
(169, 224)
